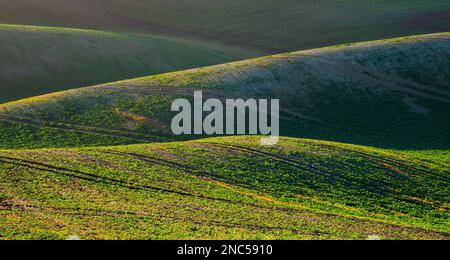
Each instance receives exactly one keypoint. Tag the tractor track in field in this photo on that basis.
(297, 165)
(186, 168)
(437, 163)
(98, 179)
(82, 175)
(390, 165)
(159, 161)
(195, 172)
(216, 93)
(80, 128)
(399, 172)
(207, 93)
(133, 136)
(167, 91)
(121, 183)
(397, 83)
(384, 160)
(132, 185)
(90, 212)
(383, 78)
(101, 179)
(293, 163)
(8, 204)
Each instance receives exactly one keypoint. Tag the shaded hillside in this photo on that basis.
(222, 188)
(392, 93)
(271, 25)
(41, 60)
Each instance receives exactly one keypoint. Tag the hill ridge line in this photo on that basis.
(307, 53)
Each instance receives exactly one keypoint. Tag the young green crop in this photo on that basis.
(222, 188)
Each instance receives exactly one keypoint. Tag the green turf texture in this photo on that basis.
(390, 94)
(36, 60)
(222, 188)
(100, 162)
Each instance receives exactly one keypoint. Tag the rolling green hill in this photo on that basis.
(271, 25)
(222, 188)
(367, 152)
(392, 94)
(40, 60)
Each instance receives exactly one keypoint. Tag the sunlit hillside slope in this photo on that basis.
(40, 60)
(392, 93)
(222, 188)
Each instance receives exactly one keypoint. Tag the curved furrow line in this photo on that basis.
(121, 183)
(167, 91)
(167, 163)
(6, 204)
(84, 176)
(192, 171)
(143, 215)
(379, 159)
(199, 221)
(392, 169)
(81, 129)
(100, 179)
(195, 171)
(390, 80)
(380, 190)
(53, 169)
(376, 190)
(297, 165)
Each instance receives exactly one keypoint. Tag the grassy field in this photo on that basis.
(40, 60)
(389, 94)
(271, 25)
(365, 149)
(222, 188)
